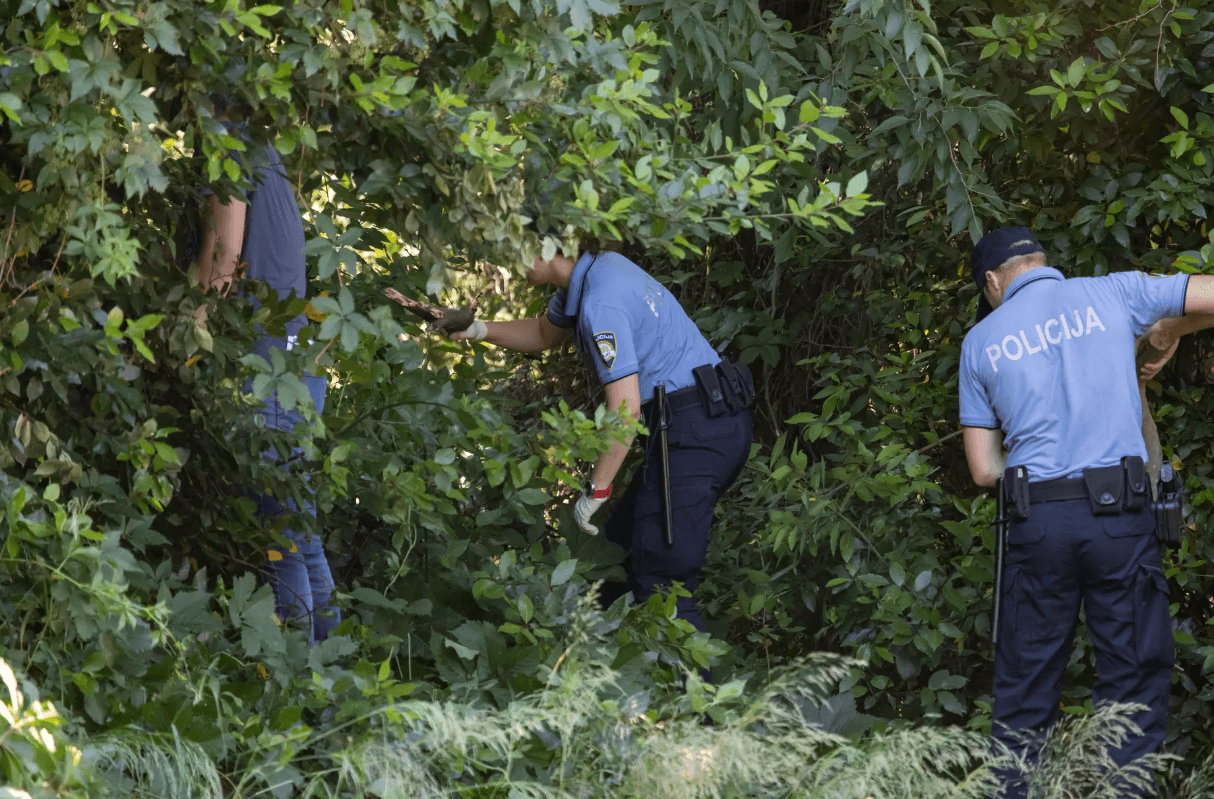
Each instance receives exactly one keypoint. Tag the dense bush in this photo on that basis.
(807, 178)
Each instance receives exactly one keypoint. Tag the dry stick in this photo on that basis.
(316, 360)
(303, 151)
(34, 285)
(5, 263)
(445, 319)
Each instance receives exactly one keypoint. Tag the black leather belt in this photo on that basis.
(1059, 490)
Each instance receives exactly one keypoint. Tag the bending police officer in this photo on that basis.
(646, 353)
(1048, 371)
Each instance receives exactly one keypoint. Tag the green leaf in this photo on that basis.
(1075, 72)
(533, 496)
(286, 718)
(857, 184)
(563, 571)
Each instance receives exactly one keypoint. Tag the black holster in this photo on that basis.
(1168, 507)
(1016, 493)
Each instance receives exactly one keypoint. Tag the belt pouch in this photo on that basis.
(1016, 492)
(710, 389)
(1106, 486)
(729, 384)
(1135, 483)
(736, 386)
(747, 381)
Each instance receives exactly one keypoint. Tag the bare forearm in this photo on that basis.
(609, 463)
(525, 335)
(221, 245)
(521, 335)
(624, 396)
(1150, 434)
(1189, 323)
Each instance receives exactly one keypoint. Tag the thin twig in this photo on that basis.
(919, 451)
(5, 263)
(34, 285)
(322, 352)
(1132, 19)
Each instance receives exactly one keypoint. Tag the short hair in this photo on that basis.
(1017, 261)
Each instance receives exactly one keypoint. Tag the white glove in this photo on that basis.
(475, 332)
(584, 509)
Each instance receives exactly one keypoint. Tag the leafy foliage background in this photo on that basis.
(808, 177)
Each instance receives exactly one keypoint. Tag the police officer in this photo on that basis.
(1048, 373)
(264, 229)
(647, 353)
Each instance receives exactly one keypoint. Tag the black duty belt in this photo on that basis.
(723, 388)
(1059, 490)
(684, 398)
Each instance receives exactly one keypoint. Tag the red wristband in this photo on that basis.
(600, 493)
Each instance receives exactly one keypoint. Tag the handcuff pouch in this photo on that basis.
(1106, 486)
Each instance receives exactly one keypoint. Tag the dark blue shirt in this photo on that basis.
(274, 237)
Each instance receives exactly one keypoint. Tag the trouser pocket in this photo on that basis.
(1153, 643)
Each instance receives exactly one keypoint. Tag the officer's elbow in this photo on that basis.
(982, 474)
(985, 480)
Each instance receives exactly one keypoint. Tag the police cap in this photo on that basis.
(992, 250)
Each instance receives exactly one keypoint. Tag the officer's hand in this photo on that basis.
(584, 509)
(1155, 349)
(444, 320)
(475, 332)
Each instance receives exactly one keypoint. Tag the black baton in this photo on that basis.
(659, 395)
(1001, 520)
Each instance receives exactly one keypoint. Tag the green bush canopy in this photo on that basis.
(807, 177)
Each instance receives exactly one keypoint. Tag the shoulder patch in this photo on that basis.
(606, 345)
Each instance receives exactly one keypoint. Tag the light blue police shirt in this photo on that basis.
(1053, 366)
(628, 323)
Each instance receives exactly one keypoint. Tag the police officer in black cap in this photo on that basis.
(1050, 404)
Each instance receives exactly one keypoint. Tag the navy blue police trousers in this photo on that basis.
(706, 455)
(1063, 556)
